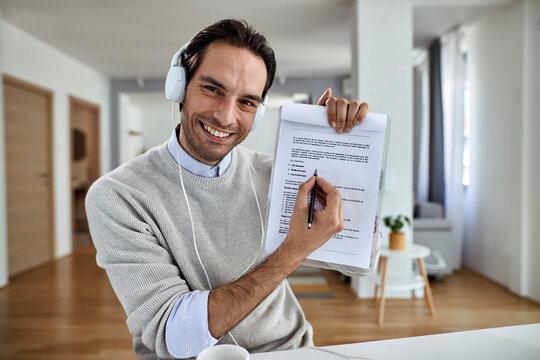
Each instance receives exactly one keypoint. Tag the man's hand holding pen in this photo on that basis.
(327, 222)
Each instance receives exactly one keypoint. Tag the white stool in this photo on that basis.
(415, 251)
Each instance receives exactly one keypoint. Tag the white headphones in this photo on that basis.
(175, 86)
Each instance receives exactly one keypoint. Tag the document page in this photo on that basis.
(350, 162)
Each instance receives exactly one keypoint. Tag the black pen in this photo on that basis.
(312, 203)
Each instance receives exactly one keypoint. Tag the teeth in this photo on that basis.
(215, 132)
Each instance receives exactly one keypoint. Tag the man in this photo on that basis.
(186, 264)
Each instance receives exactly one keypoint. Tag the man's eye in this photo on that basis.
(248, 103)
(211, 88)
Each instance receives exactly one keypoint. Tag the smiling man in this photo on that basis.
(183, 253)
(221, 101)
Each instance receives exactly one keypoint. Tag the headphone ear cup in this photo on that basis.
(259, 114)
(175, 84)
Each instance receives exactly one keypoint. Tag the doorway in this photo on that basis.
(29, 180)
(85, 167)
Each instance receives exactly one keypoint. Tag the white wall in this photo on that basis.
(155, 117)
(3, 203)
(531, 131)
(382, 76)
(31, 60)
(492, 204)
(157, 121)
(502, 200)
(130, 120)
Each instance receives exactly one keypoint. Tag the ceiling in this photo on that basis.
(431, 22)
(136, 38)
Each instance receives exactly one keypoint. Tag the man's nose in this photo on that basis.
(226, 112)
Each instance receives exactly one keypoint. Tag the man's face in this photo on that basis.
(221, 101)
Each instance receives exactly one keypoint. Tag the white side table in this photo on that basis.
(415, 251)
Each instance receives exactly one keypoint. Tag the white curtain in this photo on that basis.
(453, 88)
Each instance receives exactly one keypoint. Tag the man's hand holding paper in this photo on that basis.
(342, 114)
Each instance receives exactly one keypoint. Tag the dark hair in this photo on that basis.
(236, 33)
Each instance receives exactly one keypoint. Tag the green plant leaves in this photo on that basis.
(395, 223)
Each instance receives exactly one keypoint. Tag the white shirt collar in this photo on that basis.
(194, 166)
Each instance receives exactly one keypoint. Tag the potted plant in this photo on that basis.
(397, 238)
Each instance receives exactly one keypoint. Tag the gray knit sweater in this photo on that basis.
(142, 233)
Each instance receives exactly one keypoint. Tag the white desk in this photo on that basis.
(514, 342)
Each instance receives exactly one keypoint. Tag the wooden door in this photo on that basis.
(28, 119)
(84, 120)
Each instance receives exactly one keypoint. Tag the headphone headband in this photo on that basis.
(177, 55)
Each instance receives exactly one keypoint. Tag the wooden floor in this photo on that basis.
(463, 301)
(67, 310)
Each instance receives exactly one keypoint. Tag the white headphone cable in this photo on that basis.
(260, 214)
(192, 222)
(348, 357)
(187, 202)
(262, 227)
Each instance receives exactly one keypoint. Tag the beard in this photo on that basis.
(199, 146)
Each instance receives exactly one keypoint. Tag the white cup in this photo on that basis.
(224, 352)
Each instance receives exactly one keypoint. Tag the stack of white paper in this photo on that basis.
(352, 162)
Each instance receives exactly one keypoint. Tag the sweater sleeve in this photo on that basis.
(142, 273)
